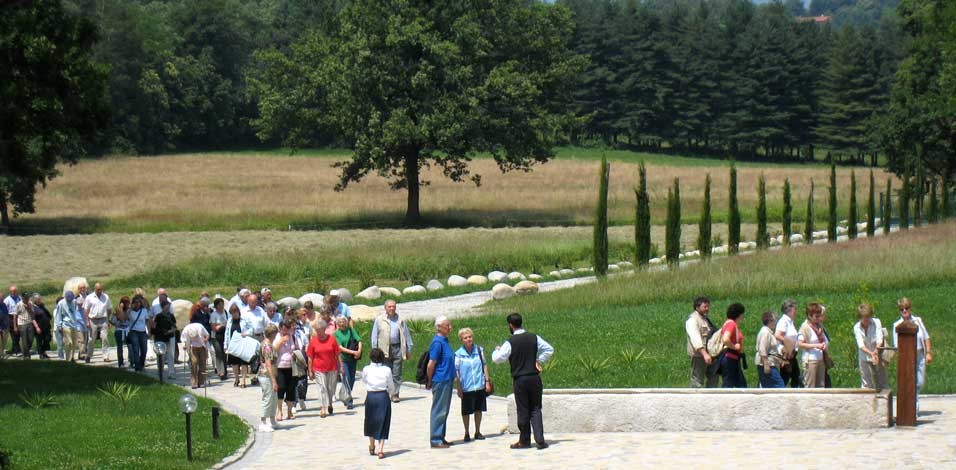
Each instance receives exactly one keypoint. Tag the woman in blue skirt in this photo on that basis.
(378, 407)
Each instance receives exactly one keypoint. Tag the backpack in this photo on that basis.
(715, 341)
(421, 375)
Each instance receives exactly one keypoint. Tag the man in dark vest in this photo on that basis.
(525, 352)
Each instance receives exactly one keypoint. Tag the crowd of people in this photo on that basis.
(283, 350)
(786, 355)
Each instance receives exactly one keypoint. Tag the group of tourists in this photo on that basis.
(786, 355)
(282, 351)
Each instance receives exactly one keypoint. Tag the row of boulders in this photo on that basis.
(498, 277)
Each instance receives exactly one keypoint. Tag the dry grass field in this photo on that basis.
(223, 191)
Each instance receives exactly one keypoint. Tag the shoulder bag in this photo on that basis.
(353, 343)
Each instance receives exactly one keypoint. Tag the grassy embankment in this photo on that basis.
(594, 328)
(85, 429)
(271, 190)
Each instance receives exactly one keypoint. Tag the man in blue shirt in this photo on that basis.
(441, 375)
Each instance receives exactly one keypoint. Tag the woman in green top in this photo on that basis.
(351, 346)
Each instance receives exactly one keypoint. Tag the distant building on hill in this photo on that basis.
(814, 19)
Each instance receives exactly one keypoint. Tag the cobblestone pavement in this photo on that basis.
(338, 442)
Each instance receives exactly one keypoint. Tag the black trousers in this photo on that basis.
(791, 376)
(15, 337)
(528, 390)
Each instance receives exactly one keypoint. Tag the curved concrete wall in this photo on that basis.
(641, 410)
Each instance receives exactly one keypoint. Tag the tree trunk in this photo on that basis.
(4, 214)
(412, 214)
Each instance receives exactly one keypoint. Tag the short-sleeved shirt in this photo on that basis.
(25, 314)
(137, 319)
(808, 335)
(440, 352)
(11, 303)
(470, 368)
(98, 306)
(870, 338)
(165, 326)
(786, 326)
(342, 337)
(736, 336)
(324, 354)
(195, 335)
(267, 356)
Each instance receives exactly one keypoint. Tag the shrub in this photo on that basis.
(787, 212)
(763, 238)
(808, 228)
(733, 215)
(871, 208)
(832, 219)
(600, 222)
(704, 235)
(121, 393)
(37, 400)
(673, 228)
(851, 217)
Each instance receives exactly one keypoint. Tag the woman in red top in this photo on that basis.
(323, 354)
(730, 370)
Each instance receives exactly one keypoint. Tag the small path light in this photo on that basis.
(159, 348)
(187, 404)
(215, 422)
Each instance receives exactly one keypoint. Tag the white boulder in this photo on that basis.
(73, 284)
(655, 261)
(742, 246)
(719, 250)
(613, 268)
(477, 280)
(526, 287)
(516, 276)
(820, 234)
(843, 238)
(390, 291)
(502, 291)
(180, 309)
(345, 295)
(313, 297)
(497, 276)
(566, 272)
(583, 270)
(555, 274)
(416, 289)
(625, 264)
(796, 238)
(841, 230)
(535, 277)
(365, 312)
(456, 281)
(434, 285)
(288, 302)
(370, 293)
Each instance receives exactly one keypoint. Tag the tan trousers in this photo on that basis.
(873, 376)
(326, 382)
(197, 363)
(814, 374)
(4, 334)
(698, 374)
(71, 339)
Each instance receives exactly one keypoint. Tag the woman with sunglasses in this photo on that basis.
(924, 347)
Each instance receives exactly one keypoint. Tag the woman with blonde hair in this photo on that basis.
(474, 382)
(813, 342)
(323, 353)
(869, 338)
(924, 347)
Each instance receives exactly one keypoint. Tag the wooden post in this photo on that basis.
(906, 374)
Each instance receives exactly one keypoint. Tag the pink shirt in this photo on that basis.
(285, 352)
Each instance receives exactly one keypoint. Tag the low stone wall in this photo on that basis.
(642, 410)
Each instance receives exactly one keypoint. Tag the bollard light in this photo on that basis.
(160, 349)
(215, 422)
(187, 404)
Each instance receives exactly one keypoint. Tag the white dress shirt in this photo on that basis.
(503, 352)
(378, 378)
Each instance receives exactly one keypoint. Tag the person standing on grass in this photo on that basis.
(868, 332)
(768, 358)
(44, 321)
(390, 334)
(10, 302)
(813, 343)
(26, 326)
(786, 334)
(525, 352)
(471, 370)
(351, 346)
(137, 315)
(441, 375)
(267, 378)
(97, 308)
(196, 338)
(64, 321)
(323, 355)
(218, 319)
(698, 328)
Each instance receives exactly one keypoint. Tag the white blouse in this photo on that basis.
(377, 378)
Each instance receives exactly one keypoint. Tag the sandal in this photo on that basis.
(236, 382)
(371, 449)
(381, 455)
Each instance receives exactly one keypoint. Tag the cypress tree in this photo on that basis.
(703, 234)
(944, 188)
(851, 230)
(871, 208)
(918, 195)
(832, 219)
(600, 223)
(787, 212)
(673, 224)
(763, 238)
(933, 203)
(888, 206)
(905, 199)
(642, 221)
(733, 215)
(808, 228)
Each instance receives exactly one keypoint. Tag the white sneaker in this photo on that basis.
(265, 428)
(302, 406)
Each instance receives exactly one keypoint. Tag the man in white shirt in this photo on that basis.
(96, 308)
(196, 339)
(786, 334)
(698, 329)
(10, 302)
(255, 316)
(239, 299)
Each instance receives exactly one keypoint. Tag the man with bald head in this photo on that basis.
(255, 316)
(10, 303)
(96, 309)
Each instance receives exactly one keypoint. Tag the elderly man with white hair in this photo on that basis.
(441, 376)
(390, 334)
(256, 317)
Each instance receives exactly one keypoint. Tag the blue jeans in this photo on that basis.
(348, 377)
(137, 349)
(59, 343)
(441, 403)
(771, 380)
(920, 374)
(732, 374)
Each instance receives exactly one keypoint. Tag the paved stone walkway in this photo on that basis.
(338, 442)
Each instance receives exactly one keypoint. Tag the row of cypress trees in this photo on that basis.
(939, 208)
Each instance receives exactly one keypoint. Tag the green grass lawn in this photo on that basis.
(86, 429)
(644, 314)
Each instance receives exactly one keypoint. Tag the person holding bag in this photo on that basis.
(474, 382)
(351, 346)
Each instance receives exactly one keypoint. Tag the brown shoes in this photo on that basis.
(520, 445)
(443, 445)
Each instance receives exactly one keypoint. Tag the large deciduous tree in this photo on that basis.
(52, 98)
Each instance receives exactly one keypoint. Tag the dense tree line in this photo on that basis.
(728, 77)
